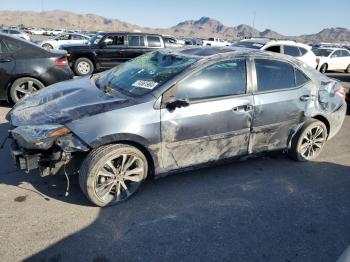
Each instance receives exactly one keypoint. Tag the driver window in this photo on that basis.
(64, 37)
(116, 40)
(336, 54)
(274, 48)
(222, 79)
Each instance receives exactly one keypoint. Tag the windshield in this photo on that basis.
(144, 73)
(322, 52)
(248, 44)
(95, 39)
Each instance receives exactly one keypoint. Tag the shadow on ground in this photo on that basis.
(266, 209)
(262, 209)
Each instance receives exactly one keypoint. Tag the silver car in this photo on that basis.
(168, 111)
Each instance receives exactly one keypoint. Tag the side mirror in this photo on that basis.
(176, 103)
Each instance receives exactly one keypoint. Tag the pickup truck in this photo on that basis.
(215, 42)
(107, 50)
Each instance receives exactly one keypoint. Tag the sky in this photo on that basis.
(286, 17)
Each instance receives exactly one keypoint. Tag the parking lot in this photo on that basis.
(268, 208)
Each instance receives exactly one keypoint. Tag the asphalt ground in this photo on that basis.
(268, 208)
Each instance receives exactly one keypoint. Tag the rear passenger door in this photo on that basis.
(136, 47)
(336, 61)
(345, 59)
(279, 89)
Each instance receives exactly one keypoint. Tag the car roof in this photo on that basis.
(128, 33)
(207, 52)
(332, 48)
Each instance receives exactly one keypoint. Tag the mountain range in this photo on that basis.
(203, 28)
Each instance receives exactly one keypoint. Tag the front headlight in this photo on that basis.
(38, 137)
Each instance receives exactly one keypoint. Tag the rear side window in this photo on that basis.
(291, 50)
(345, 53)
(13, 45)
(135, 40)
(300, 78)
(2, 47)
(303, 51)
(218, 80)
(273, 75)
(154, 41)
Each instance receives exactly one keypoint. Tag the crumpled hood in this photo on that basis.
(64, 102)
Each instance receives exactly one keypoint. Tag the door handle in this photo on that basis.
(246, 108)
(5, 60)
(305, 98)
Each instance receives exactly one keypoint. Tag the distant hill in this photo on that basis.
(203, 27)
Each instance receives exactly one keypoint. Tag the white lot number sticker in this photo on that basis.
(145, 84)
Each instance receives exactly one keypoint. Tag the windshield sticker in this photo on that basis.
(257, 45)
(145, 84)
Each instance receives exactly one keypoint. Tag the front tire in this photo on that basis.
(112, 174)
(323, 68)
(47, 46)
(83, 66)
(347, 70)
(23, 87)
(308, 143)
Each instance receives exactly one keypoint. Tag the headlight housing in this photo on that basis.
(38, 137)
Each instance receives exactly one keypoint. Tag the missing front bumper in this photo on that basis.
(24, 161)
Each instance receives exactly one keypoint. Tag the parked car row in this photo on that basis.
(321, 58)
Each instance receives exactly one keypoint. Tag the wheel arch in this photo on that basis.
(133, 140)
(325, 121)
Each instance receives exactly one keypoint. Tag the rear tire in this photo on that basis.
(23, 87)
(308, 143)
(323, 68)
(112, 174)
(83, 66)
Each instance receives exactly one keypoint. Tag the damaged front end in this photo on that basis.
(45, 147)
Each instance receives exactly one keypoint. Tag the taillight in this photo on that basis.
(61, 62)
(340, 91)
(317, 61)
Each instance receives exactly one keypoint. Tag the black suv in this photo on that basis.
(107, 50)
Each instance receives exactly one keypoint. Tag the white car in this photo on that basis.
(36, 31)
(65, 39)
(171, 41)
(332, 59)
(215, 42)
(300, 51)
(16, 33)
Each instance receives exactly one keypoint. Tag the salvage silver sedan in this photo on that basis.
(172, 110)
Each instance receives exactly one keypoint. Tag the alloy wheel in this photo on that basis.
(119, 178)
(26, 88)
(312, 142)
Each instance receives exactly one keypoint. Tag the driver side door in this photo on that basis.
(215, 125)
(7, 65)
